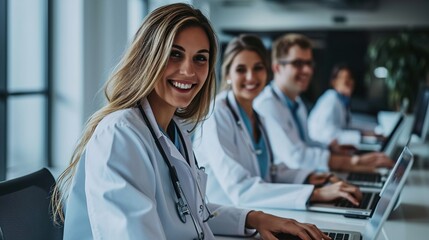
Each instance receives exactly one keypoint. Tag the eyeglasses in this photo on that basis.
(298, 63)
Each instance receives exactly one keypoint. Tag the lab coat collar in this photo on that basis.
(149, 113)
(172, 150)
(234, 105)
(279, 95)
(345, 100)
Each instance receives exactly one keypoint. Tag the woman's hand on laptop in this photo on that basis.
(270, 226)
(344, 149)
(374, 160)
(368, 162)
(321, 179)
(337, 190)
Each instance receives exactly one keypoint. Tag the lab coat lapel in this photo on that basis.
(247, 138)
(286, 111)
(168, 146)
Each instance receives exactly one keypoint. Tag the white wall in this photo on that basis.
(68, 78)
(90, 38)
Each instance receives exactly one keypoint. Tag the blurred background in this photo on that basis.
(55, 56)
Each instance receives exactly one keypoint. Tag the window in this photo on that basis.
(25, 106)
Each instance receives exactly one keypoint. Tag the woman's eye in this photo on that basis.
(240, 70)
(259, 68)
(200, 58)
(175, 54)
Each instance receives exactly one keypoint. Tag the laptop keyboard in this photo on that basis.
(364, 177)
(333, 235)
(338, 236)
(364, 203)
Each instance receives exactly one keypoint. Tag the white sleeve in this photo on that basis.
(229, 221)
(120, 186)
(288, 147)
(218, 149)
(322, 123)
(287, 175)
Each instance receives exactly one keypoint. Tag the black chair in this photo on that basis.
(25, 208)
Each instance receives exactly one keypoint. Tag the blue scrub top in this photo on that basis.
(260, 146)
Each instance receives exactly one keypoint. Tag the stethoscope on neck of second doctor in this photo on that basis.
(239, 123)
(182, 206)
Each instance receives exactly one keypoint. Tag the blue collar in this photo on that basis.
(345, 100)
(292, 105)
(172, 135)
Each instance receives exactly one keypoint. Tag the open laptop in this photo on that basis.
(366, 148)
(334, 234)
(376, 179)
(389, 195)
(371, 197)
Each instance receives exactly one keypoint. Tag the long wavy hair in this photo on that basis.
(237, 45)
(141, 67)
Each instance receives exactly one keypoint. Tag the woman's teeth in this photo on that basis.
(250, 87)
(184, 86)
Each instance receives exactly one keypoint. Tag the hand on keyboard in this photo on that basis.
(337, 190)
(270, 226)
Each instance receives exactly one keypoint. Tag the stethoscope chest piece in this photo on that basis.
(182, 211)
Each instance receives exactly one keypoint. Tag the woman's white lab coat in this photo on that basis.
(284, 134)
(226, 151)
(122, 187)
(328, 117)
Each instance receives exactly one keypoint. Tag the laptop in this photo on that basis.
(371, 197)
(376, 179)
(363, 148)
(334, 234)
(389, 195)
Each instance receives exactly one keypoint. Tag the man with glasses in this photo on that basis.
(286, 114)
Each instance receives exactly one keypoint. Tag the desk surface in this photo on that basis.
(409, 221)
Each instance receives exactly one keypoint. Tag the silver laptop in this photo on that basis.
(389, 195)
(334, 234)
(391, 138)
(371, 196)
(376, 179)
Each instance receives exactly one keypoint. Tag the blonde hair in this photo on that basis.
(237, 45)
(140, 69)
(282, 45)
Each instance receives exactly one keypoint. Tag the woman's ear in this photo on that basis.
(275, 67)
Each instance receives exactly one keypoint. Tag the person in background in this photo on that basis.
(235, 150)
(331, 114)
(330, 118)
(133, 174)
(286, 114)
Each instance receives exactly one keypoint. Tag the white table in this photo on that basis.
(409, 221)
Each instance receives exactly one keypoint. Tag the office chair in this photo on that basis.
(25, 208)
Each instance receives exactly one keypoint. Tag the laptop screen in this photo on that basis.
(420, 113)
(389, 194)
(392, 133)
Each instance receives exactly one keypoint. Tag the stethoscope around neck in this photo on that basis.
(273, 167)
(182, 206)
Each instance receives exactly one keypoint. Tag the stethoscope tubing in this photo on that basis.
(182, 206)
(263, 133)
